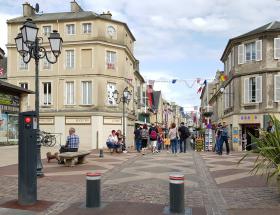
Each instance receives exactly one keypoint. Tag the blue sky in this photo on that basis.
(178, 39)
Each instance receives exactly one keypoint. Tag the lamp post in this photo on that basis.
(125, 99)
(29, 45)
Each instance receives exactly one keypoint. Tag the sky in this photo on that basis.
(178, 39)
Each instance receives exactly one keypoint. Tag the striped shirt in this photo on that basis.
(73, 141)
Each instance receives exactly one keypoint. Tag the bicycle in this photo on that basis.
(46, 138)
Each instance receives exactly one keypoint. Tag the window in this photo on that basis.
(86, 92)
(47, 93)
(250, 51)
(111, 60)
(277, 88)
(69, 93)
(277, 48)
(24, 85)
(46, 63)
(70, 29)
(47, 30)
(111, 87)
(253, 90)
(22, 65)
(70, 59)
(86, 28)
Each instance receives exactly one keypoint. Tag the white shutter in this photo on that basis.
(232, 57)
(241, 54)
(277, 88)
(276, 48)
(246, 90)
(258, 50)
(229, 63)
(259, 89)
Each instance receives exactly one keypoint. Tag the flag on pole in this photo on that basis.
(151, 82)
(174, 81)
(199, 90)
(205, 82)
(223, 77)
(198, 80)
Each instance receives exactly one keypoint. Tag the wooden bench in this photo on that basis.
(69, 157)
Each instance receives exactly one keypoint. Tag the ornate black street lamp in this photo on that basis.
(29, 45)
(125, 99)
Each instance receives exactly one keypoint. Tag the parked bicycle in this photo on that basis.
(47, 138)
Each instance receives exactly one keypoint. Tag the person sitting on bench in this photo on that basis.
(112, 141)
(72, 142)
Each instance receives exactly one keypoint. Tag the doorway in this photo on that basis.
(248, 129)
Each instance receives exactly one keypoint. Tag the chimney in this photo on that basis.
(107, 15)
(28, 10)
(75, 7)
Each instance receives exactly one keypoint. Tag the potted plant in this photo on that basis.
(267, 150)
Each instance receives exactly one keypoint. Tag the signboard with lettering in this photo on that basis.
(112, 120)
(249, 118)
(46, 120)
(78, 120)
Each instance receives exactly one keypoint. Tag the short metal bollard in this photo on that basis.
(101, 155)
(93, 190)
(176, 193)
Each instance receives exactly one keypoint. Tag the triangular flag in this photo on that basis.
(174, 81)
(199, 90)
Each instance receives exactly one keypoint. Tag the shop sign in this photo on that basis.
(7, 108)
(78, 120)
(250, 118)
(112, 120)
(6, 99)
(46, 120)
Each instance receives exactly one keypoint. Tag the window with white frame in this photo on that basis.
(86, 92)
(111, 87)
(253, 90)
(277, 88)
(24, 85)
(250, 51)
(22, 65)
(69, 93)
(277, 48)
(46, 63)
(47, 30)
(70, 29)
(110, 59)
(47, 90)
(86, 28)
(70, 59)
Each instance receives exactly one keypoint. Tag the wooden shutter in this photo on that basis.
(241, 54)
(258, 50)
(277, 88)
(259, 89)
(276, 48)
(246, 90)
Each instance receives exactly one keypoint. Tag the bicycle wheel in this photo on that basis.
(52, 140)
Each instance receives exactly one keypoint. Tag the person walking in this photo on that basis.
(184, 135)
(223, 138)
(173, 135)
(137, 137)
(153, 133)
(144, 138)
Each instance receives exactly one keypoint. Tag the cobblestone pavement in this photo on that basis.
(212, 182)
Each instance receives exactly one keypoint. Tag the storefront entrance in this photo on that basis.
(247, 142)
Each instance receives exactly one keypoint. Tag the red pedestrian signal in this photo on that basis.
(27, 120)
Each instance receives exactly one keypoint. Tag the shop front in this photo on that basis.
(10, 106)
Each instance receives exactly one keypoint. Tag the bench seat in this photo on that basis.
(69, 157)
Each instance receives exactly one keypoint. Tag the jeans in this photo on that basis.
(183, 145)
(221, 141)
(138, 145)
(174, 144)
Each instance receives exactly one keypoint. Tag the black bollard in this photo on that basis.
(93, 190)
(101, 155)
(176, 193)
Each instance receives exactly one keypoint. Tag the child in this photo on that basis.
(160, 142)
(166, 143)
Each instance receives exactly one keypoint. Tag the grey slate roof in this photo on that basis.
(270, 27)
(5, 86)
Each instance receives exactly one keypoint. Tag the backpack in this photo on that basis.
(153, 135)
(144, 134)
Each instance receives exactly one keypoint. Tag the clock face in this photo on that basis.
(111, 30)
